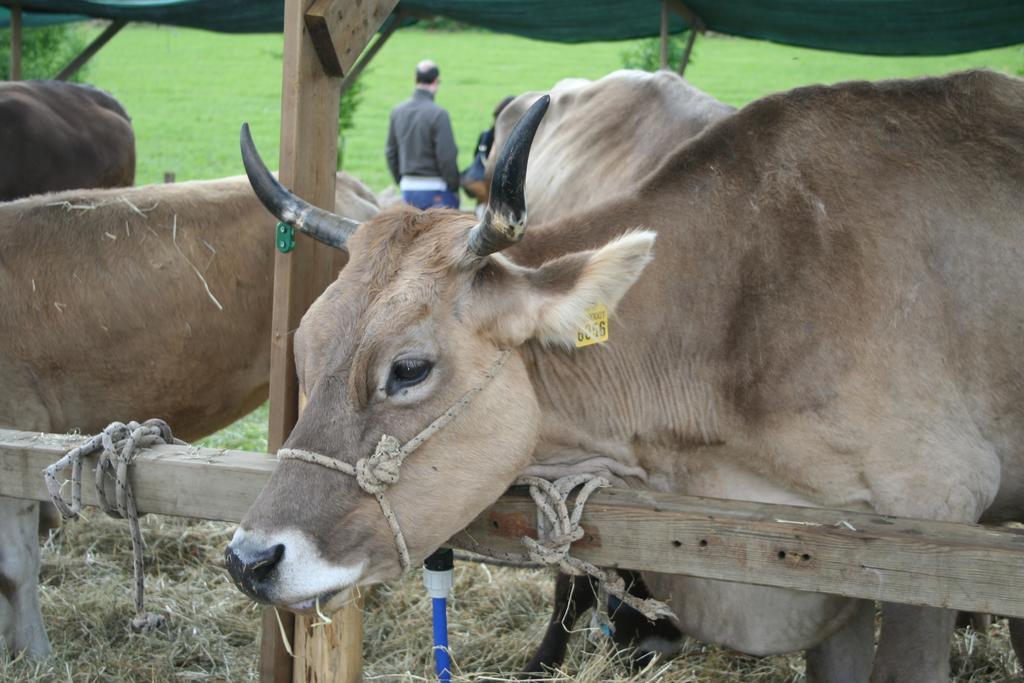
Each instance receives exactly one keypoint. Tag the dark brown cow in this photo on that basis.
(61, 136)
(831, 315)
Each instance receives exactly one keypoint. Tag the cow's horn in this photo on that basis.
(504, 221)
(321, 225)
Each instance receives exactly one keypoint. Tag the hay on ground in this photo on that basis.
(497, 617)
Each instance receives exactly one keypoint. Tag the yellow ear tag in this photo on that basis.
(595, 330)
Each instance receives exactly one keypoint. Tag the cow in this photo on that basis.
(816, 301)
(598, 139)
(62, 136)
(131, 303)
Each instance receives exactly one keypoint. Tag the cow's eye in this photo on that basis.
(406, 373)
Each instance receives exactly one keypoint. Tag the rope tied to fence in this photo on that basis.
(558, 529)
(118, 445)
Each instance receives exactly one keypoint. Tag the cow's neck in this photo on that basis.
(615, 409)
(658, 386)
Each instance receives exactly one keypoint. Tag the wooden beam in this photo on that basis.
(856, 554)
(693, 22)
(91, 49)
(664, 35)
(16, 42)
(686, 53)
(240, 475)
(340, 29)
(371, 52)
(859, 555)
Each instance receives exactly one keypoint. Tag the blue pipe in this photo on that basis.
(437, 578)
(442, 660)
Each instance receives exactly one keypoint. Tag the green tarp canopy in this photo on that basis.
(889, 27)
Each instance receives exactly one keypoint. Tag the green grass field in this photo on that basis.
(189, 91)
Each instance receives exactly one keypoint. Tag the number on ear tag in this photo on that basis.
(595, 330)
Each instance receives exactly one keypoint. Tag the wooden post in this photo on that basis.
(309, 150)
(309, 132)
(168, 176)
(90, 49)
(664, 35)
(15, 43)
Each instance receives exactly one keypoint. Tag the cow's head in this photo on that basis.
(423, 309)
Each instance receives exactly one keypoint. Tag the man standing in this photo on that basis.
(421, 148)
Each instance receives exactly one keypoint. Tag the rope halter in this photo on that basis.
(377, 472)
(559, 527)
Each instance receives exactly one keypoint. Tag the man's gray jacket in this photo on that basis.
(420, 141)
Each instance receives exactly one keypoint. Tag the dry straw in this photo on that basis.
(497, 616)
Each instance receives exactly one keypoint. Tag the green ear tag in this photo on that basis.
(285, 238)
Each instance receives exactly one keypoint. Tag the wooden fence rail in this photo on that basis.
(860, 555)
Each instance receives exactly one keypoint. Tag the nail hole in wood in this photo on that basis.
(703, 543)
(677, 544)
(782, 554)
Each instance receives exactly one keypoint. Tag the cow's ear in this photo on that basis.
(551, 303)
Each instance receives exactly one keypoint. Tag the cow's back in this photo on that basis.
(59, 136)
(600, 137)
(152, 301)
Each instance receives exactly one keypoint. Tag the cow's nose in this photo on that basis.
(252, 567)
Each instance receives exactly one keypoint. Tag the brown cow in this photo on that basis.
(832, 317)
(61, 136)
(124, 304)
(598, 139)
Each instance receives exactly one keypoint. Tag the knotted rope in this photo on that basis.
(559, 529)
(375, 473)
(118, 444)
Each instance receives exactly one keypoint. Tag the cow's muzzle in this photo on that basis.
(253, 567)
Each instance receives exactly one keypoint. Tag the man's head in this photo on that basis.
(428, 76)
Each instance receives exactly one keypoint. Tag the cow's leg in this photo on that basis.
(573, 596)
(950, 472)
(1017, 638)
(632, 629)
(845, 656)
(914, 644)
(21, 622)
